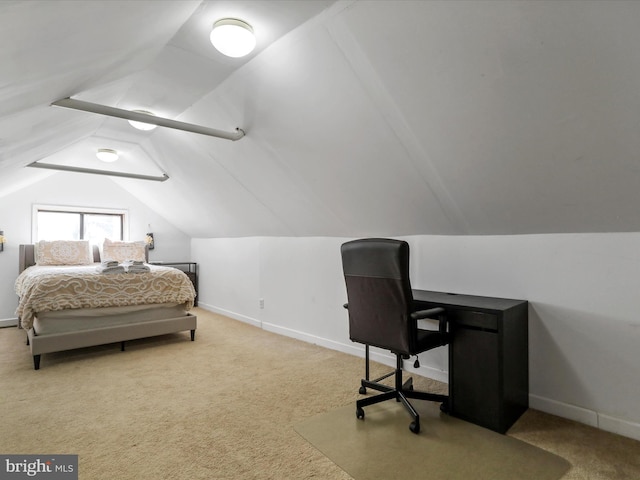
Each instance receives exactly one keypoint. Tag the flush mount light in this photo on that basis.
(107, 155)
(142, 125)
(233, 37)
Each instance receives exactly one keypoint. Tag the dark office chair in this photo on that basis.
(381, 314)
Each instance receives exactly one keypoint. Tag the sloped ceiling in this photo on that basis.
(362, 117)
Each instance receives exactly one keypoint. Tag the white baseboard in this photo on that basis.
(356, 349)
(592, 418)
(618, 426)
(230, 314)
(571, 412)
(9, 322)
(564, 410)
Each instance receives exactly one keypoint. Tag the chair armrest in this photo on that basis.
(433, 313)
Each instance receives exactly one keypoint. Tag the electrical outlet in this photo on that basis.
(262, 303)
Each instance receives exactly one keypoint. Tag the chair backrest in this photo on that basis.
(376, 272)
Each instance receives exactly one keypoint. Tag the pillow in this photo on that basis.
(123, 251)
(64, 252)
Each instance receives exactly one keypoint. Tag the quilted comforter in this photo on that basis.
(50, 288)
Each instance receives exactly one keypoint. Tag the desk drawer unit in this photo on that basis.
(488, 357)
(474, 320)
(474, 368)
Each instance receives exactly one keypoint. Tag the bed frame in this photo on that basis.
(57, 342)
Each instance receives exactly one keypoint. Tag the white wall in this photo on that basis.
(77, 190)
(583, 317)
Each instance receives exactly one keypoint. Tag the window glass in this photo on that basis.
(97, 227)
(58, 226)
(63, 224)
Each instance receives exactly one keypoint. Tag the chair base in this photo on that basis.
(381, 387)
(375, 384)
(401, 393)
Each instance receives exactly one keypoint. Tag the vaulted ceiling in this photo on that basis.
(362, 117)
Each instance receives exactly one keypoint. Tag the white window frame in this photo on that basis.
(62, 209)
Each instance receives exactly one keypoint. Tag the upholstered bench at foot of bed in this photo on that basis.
(57, 342)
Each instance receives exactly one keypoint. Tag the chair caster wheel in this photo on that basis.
(359, 413)
(362, 390)
(415, 427)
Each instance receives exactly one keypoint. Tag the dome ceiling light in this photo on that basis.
(107, 155)
(233, 37)
(142, 125)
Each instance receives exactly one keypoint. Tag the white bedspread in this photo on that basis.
(54, 288)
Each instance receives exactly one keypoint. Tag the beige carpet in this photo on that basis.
(222, 407)
(382, 447)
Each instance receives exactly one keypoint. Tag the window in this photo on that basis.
(77, 223)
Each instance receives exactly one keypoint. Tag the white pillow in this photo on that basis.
(123, 251)
(63, 252)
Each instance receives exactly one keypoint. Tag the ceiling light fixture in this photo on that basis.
(142, 125)
(233, 37)
(107, 155)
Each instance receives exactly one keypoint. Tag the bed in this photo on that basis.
(65, 307)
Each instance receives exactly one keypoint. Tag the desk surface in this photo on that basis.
(488, 356)
(465, 301)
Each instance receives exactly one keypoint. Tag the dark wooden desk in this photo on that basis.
(488, 356)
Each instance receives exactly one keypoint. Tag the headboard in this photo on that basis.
(27, 256)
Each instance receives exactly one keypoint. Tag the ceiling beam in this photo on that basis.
(66, 168)
(142, 117)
